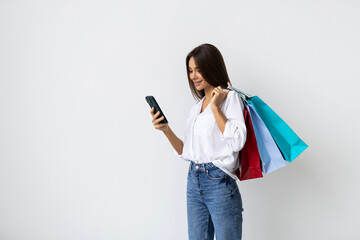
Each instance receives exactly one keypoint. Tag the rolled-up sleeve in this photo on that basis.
(235, 129)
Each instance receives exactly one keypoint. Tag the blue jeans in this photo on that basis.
(213, 204)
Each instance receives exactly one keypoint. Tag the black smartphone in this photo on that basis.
(152, 102)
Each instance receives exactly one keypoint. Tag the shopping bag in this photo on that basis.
(286, 139)
(270, 155)
(289, 143)
(250, 165)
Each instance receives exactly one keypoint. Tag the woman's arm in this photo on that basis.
(230, 122)
(173, 139)
(219, 117)
(218, 95)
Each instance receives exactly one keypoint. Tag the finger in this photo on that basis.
(216, 89)
(160, 125)
(226, 92)
(158, 120)
(156, 115)
(152, 110)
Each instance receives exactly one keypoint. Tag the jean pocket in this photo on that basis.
(216, 174)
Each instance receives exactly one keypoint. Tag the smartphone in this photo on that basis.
(152, 102)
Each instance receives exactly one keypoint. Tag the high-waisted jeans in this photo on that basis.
(213, 204)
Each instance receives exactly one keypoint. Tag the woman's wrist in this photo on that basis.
(166, 131)
(214, 107)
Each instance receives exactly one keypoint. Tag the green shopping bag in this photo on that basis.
(285, 138)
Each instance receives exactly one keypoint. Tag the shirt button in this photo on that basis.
(197, 167)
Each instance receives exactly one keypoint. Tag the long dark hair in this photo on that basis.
(212, 66)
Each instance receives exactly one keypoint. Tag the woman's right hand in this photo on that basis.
(156, 122)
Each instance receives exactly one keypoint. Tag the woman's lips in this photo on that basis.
(197, 83)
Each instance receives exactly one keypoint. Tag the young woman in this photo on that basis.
(215, 133)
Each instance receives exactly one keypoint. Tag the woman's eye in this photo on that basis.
(190, 71)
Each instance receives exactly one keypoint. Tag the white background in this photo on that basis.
(80, 158)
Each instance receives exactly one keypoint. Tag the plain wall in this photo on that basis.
(80, 158)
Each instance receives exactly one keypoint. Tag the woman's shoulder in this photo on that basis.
(232, 93)
(233, 96)
(234, 99)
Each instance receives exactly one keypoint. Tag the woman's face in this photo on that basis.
(195, 76)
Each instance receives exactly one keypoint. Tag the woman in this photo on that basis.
(215, 133)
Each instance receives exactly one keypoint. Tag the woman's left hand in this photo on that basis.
(218, 95)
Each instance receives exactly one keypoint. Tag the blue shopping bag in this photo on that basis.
(286, 139)
(270, 155)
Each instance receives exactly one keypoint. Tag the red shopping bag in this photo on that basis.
(249, 165)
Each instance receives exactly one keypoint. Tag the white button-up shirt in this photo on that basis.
(204, 141)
